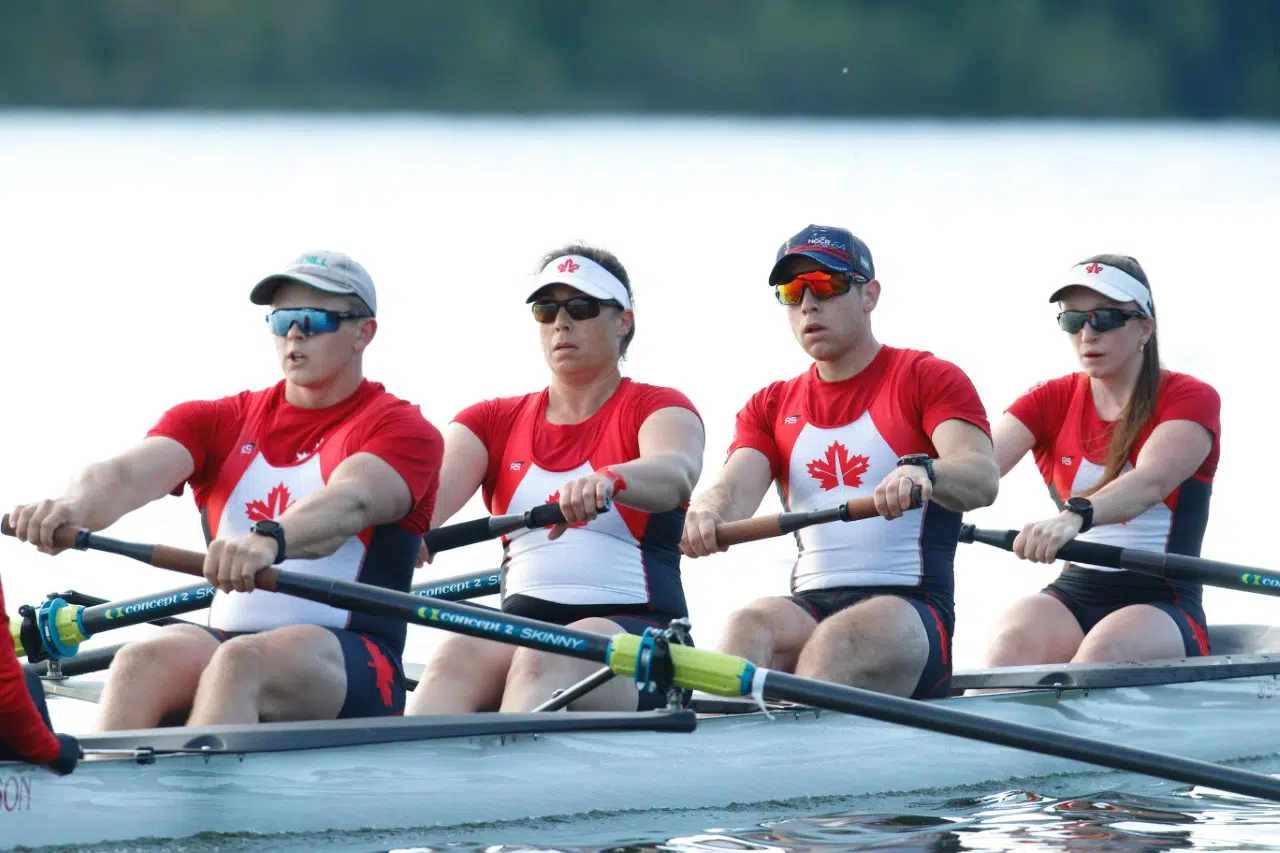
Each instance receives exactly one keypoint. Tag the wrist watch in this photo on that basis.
(276, 532)
(923, 461)
(1082, 507)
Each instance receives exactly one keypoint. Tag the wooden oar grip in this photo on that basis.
(191, 562)
(749, 530)
(860, 508)
(63, 537)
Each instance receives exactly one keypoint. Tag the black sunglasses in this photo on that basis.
(1102, 319)
(579, 308)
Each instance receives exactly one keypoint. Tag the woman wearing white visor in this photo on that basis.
(1128, 451)
(590, 437)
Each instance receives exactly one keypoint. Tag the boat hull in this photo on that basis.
(728, 759)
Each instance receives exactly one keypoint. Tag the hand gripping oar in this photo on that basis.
(1176, 567)
(778, 524)
(726, 675)
(58, 627)
(478, 530)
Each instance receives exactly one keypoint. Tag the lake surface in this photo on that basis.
(131, 243)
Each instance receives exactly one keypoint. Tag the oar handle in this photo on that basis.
(482, 529)
(778, 524)
(1093, 553)
(160, 556)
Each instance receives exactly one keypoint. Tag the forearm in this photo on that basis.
(966, 481)
(105, 492)
(318, 525)
(725, 501)
(657, 482)
(1127, 497)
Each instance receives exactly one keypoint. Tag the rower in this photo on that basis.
(871, 602)
(325, 471)
(1128, 451)
(592, 437)
(26, 734)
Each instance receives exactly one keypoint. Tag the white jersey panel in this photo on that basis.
(599, 563)
(1148, 532)
(827, 468)
(266, 492)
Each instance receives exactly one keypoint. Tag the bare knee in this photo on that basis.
(752, 619)
(455, 659)
(240, 658)
(157, 657)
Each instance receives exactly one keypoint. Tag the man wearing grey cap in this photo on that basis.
(325, 472)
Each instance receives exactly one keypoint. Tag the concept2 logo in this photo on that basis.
(1268, 581)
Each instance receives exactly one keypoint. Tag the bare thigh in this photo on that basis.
(1136, 632)
(534, 676)
(1035, 629)
(300, 669)
(155, 679)
(768, 632)
(466, 674)
(879, 644)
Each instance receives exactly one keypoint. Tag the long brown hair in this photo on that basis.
(1142, 402)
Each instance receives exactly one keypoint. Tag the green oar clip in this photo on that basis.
(52, 631)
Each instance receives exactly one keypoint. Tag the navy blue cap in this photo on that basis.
(835, 248)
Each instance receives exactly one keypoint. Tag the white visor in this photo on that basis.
(585, 275)
(1111, 282)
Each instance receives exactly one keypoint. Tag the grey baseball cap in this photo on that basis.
(332, 272)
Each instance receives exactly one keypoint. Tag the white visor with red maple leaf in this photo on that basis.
(584, 274)
(1111, 282)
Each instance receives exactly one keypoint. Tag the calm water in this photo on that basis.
(130, 245)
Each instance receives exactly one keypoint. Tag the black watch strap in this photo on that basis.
(276, 532)
(1082, 507)
(923, 461)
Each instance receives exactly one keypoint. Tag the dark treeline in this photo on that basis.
(1105, 58)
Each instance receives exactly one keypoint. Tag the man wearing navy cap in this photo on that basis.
(872, 601)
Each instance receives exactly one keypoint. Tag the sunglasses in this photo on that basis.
(578, 308)
(1102, 319)
(823, 285)
(310, 321)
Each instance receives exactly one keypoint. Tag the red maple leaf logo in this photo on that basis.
(1093, 268)
(383, 675)
(568, 266)
(277, 502)
(838, 467)
(555, 499)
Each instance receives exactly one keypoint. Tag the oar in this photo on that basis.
(62, 626)
(726, 675)
(478, 530)
(778, 524)
(1176, 567)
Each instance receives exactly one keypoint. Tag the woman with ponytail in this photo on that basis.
(1128, 451)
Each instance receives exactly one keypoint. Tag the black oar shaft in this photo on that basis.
(135, 611)
(1178, 567)
(437, 613)
(928, 715)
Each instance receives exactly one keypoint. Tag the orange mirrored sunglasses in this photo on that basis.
(823, 285)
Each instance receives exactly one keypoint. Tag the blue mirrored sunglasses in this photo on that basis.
(310, 321)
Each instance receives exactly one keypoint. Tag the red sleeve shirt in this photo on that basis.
(1061, 417)
(913, 391)
(381, 424)
(753, 426)
(21, 727)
